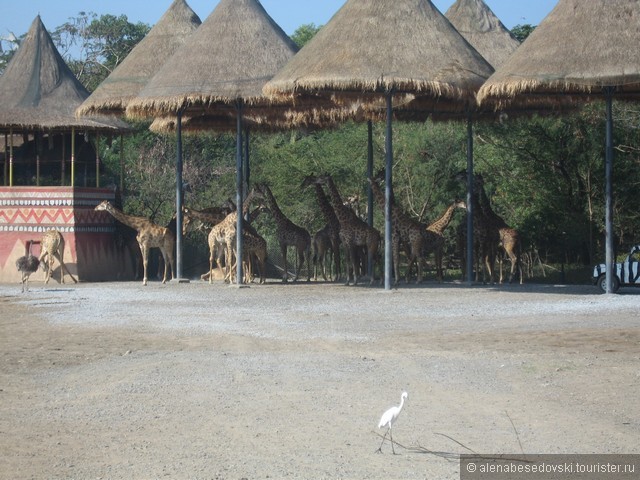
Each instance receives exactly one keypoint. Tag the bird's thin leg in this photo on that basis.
(391, 437)
(383, 438)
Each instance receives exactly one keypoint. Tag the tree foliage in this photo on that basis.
(94, 46)
(304, 33)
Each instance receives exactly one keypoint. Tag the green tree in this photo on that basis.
(94, 46)
(304, 33)
(521, 32)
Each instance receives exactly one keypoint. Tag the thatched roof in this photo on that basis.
(39, 91)
(579, 48)
(483, 30)
(143, 62)
(231, 56)
(372, 46)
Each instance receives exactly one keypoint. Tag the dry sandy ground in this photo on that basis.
(199, 381)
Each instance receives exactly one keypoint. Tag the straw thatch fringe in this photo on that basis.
(123, 84)
(578, 49)
(236, 50)
(376, 46)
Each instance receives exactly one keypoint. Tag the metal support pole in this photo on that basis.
(370, 175)
(470, 199)
(179, 197)
(247, 167)
(388, 194)
(609, 254)
(239, 200)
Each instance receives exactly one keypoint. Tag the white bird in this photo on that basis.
(388, 419)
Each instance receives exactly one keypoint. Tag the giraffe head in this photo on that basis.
(460, 204)
(309, 180)
(104, 206)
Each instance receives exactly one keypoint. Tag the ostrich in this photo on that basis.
(27, 264)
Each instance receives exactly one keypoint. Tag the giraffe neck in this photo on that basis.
(341, 211)
(247, 203)
(278, 216)
(443, 222)
(131, 221)
(325, 205)
(489, 214)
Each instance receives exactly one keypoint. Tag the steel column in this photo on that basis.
(388, 194)
(609, 254)
(470, 212)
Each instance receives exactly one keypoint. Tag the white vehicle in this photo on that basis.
(625, 274)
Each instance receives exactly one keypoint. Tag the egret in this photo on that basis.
(388, 419)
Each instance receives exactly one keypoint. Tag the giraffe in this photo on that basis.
(406, 231)
(331, 230)
(509, 237)
(208, 217)
(485, 237)
(434, 237)
(354, 232)
(289, 234)
(52, 246)
(321, 246)
(221, 237)
(149, 236)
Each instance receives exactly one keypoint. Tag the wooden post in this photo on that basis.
(73, 156)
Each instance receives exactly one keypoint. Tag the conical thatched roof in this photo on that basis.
(39, 91)
(236, 50)
(371, 46)
(144, 61)
(483, 30)
(580, 47)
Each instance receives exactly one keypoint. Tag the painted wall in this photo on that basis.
(93, 250)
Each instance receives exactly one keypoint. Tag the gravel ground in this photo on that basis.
(199, 381)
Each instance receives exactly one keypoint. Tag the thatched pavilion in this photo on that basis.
(221, 70)
(38, 96)
(143, 62)
(580, 51)
(386, 56)
(123, 84)
(477, 23)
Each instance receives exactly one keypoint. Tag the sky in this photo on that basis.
(289, 14)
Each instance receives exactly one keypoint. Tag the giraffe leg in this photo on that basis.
(285, 274)
(145, 262)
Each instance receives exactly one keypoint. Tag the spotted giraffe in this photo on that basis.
(354, 232)
(149, 236)
(52, 247)
(509, 237)
(331, 231)
(437, 228)
(289, 234)
(406, 232)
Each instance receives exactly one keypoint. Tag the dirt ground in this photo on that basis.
(199, 381)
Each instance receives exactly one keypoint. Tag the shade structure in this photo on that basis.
(222, 67)
(384, 54)
(477, 23)
(599, 59)
(143, 62)
(38, 91)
